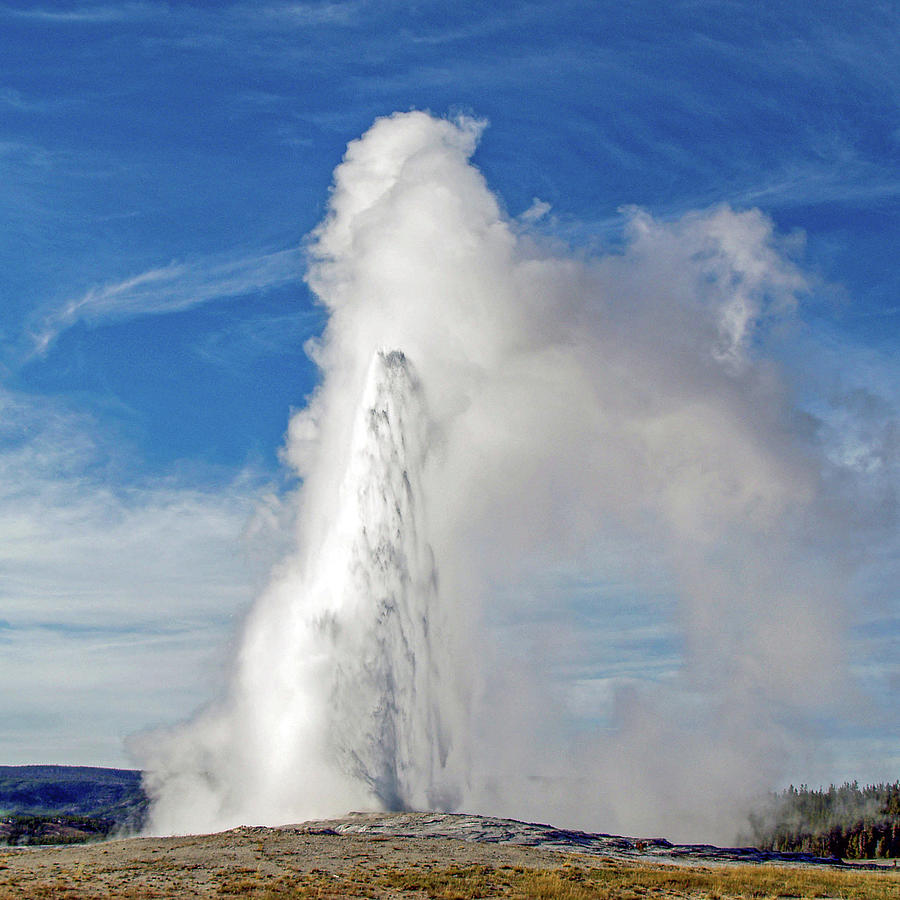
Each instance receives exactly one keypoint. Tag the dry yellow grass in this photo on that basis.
(607, 881)
(610, 881)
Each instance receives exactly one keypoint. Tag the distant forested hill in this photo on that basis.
(51, 804)
(850, 822)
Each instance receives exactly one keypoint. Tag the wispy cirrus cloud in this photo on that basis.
(264, 15)
(85, 15)
(301, 14)
(15, 99)
(171, 288)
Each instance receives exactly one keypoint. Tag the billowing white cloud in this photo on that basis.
(492, 410)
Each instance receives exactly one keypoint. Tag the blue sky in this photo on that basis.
(160, 165)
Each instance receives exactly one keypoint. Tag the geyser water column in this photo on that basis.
(341, 693)
(384, 633)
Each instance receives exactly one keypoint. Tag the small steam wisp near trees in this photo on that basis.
(490, 409)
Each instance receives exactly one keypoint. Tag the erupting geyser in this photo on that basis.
(382, 622)
(345, 677)
(491, 411)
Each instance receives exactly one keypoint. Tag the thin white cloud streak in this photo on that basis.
(852, 181)
(623, 417)
(281, 16)
(32, 155)
(259, 338)
(169, 289)
(87, 15)
(304, 15)
(17, 100)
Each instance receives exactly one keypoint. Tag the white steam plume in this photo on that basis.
(489, 410)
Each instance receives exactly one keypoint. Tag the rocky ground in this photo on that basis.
(378, 855)
(489, 830)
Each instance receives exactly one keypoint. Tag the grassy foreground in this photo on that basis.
(612, 880)
(313, 861)
(606, 880)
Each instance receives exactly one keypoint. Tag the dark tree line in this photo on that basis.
(25, 830)
(849, 822)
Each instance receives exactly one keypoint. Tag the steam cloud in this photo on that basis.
(491, 410)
